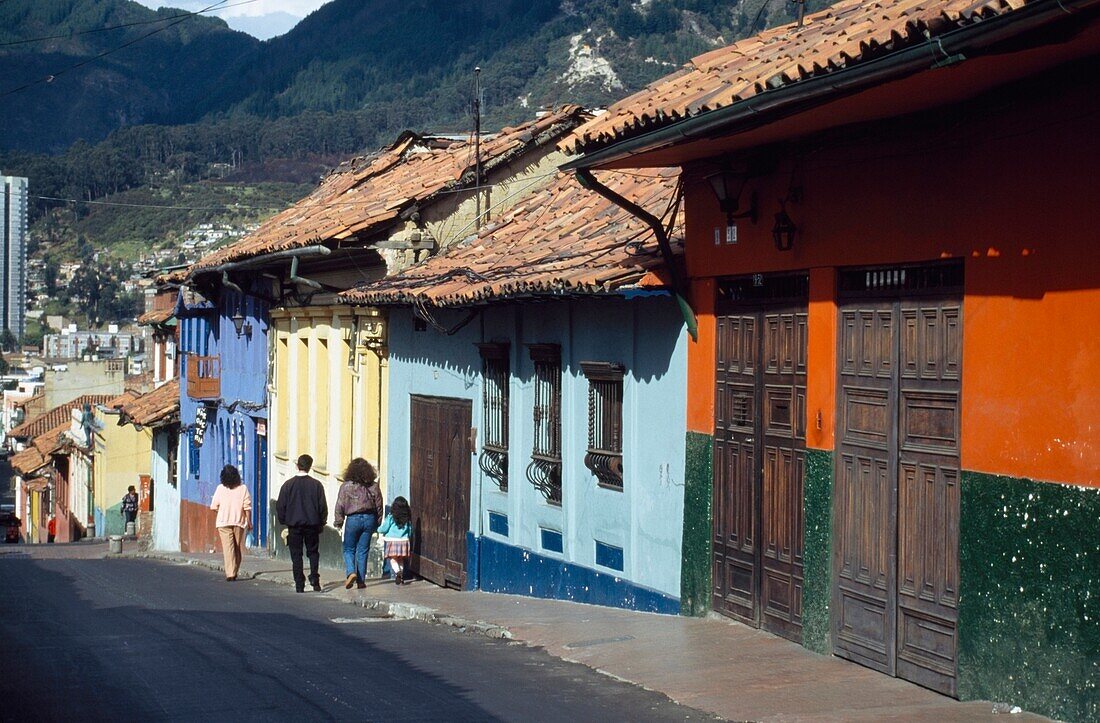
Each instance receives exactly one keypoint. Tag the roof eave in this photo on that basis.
(802, 95)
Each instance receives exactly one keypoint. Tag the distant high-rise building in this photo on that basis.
(13, 263)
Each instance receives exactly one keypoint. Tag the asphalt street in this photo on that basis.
(125, 639)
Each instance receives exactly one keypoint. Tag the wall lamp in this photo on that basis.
(728, 185)
(241, 326)
(784, 229)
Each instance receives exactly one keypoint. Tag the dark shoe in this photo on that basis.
(352, 579)
(316, 587)
(399, 579)
(299, 589)
(361, 585)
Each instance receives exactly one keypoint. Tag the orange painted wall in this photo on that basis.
(1013, 191)
(702, 359)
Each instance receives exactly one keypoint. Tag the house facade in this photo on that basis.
(121, 455)
(327, 384)
(222, 356)
(891, 408)
(535, 403)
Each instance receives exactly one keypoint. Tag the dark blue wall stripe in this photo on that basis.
(507, 569)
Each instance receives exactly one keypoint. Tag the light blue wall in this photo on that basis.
(166, 498)
(647, 337)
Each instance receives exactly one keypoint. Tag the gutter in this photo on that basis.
(949, 48)
(586, 179)
(262, 260)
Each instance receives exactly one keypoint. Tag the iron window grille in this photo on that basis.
(605, 422)
(544, 471)
(493, 460)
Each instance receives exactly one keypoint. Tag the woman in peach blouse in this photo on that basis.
(234, 507)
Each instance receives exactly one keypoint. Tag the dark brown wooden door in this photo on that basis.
(759, 453)
(440, 487)
(897, 495)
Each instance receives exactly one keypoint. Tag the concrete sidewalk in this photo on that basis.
(712, 664)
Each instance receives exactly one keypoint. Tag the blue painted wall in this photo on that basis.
(645, 519)
(208, 330)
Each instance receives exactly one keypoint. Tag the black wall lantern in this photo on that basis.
(239, 324)
(784, 229)
(728, 185)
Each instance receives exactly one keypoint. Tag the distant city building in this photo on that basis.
(74, 344)
(13, 262)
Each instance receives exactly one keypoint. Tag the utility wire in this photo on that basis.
(50, 78)
(62, 36)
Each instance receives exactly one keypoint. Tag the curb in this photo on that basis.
(395, 610)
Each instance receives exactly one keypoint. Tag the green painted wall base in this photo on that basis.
(1029, 599)
(695, 566)
(817, 537)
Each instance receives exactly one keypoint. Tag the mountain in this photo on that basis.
(136, 66)
(403, 63)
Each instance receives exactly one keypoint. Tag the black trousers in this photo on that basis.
(309, 536)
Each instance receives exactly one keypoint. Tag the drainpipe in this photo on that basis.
(679, 289)
(295, 278)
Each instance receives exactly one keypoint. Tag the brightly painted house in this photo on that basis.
(902, 343)
(328, 370)
(121, 457)
(158, 412)
(155, 416)
(536, 417)
(222, 360)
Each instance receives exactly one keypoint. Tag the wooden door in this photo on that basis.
(759, 452)
(440, 487)
(897, 495)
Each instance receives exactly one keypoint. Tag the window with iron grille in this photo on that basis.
(544, 471)
(494, 450)
(605, 422)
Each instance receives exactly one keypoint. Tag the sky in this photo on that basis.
(262, 18)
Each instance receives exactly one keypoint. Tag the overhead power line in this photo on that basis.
(50, 78)
(62, 36)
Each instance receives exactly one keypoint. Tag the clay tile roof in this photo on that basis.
(366, 194)
(60, 414)
(37, 453)
(562, 239)
(845, 34)
(156, 316)
(156, 407)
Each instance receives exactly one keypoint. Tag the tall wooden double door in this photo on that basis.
(759, 451)
(896, 504)
(439, 487)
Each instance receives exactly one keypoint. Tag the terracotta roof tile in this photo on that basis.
(366, 194)
(157, 407)
(58, 415)
(842, 35)
(37, 453)
(156, 316)
(562, 239)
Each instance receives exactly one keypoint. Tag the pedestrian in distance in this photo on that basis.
(359, 505)
(396, 532)
(303, 509)
(129, 507)
(233, 503)
(51, 529)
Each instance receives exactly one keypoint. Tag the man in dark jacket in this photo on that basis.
(302, 508)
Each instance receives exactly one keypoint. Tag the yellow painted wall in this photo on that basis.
(121, 454)
(327, 389)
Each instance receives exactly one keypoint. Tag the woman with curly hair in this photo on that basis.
(359, 503)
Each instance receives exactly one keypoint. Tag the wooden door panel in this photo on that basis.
(455, 434)
(897, 496)
(759, 462)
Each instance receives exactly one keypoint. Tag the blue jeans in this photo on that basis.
(357, 531)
